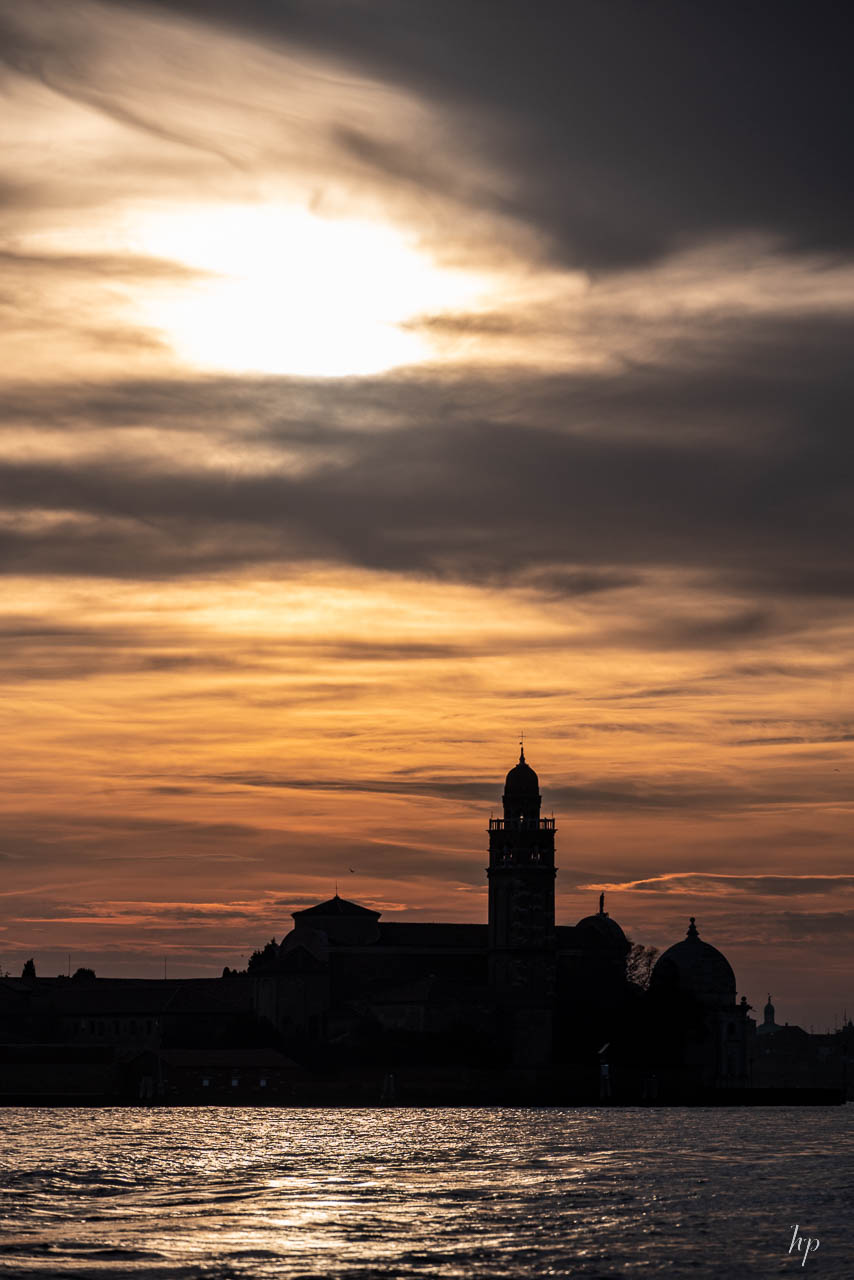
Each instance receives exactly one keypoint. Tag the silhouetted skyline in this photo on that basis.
(349, 1007)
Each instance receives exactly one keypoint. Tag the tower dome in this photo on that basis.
(695, 968)
(521, 781)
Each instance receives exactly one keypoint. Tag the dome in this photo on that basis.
(769, 1026)
(521, 780)
(603, 929)
(695, 968)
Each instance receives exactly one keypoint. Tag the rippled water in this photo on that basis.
(222, 1192)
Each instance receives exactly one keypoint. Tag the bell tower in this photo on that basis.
(521, 876)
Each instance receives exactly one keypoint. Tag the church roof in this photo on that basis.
(336, 907)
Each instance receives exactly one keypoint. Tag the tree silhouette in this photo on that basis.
(265, 959)
(639, 964)
(29, 970)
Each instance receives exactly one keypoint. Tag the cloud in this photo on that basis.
(615, 132)
(625, 796)
(38, 649)
(678, 408)
(702, 883)
(792, 741)
(525, 496)
(222, 112)
(124, 266)
(813, 926)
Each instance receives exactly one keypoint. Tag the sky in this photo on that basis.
(381, 380)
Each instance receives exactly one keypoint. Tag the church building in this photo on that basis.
(516, 982)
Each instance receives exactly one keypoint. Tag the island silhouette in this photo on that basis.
(351, 1008)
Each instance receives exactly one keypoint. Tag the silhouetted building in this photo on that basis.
(787, 1057)
(204, 1075)
(702, 1037)
(518, 988)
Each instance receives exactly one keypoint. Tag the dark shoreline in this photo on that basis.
(332, 1101)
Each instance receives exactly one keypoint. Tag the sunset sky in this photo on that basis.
(381, 378)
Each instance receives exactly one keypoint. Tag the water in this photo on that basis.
(439, 1193)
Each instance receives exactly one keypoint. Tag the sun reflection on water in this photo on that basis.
(193, 1193)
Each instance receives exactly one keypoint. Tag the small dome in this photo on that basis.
(521, 780)
(606, 929)
(693, 967)
(603, 929)
(769, 1026)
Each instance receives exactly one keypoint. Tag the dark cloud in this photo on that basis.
(64, 839)
(144, 914)
(817, 926)
(708, 632)
(482, 323)
(647, 727)
(567, 486)
(446, 788)
(125, 850)
(621, 130)
(774, 669)
(794, 886)
(654, 692)
(793, 741)
(123, 266)
(33, 648)
(611, 797)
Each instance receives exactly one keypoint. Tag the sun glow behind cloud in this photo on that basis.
(288, 292)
